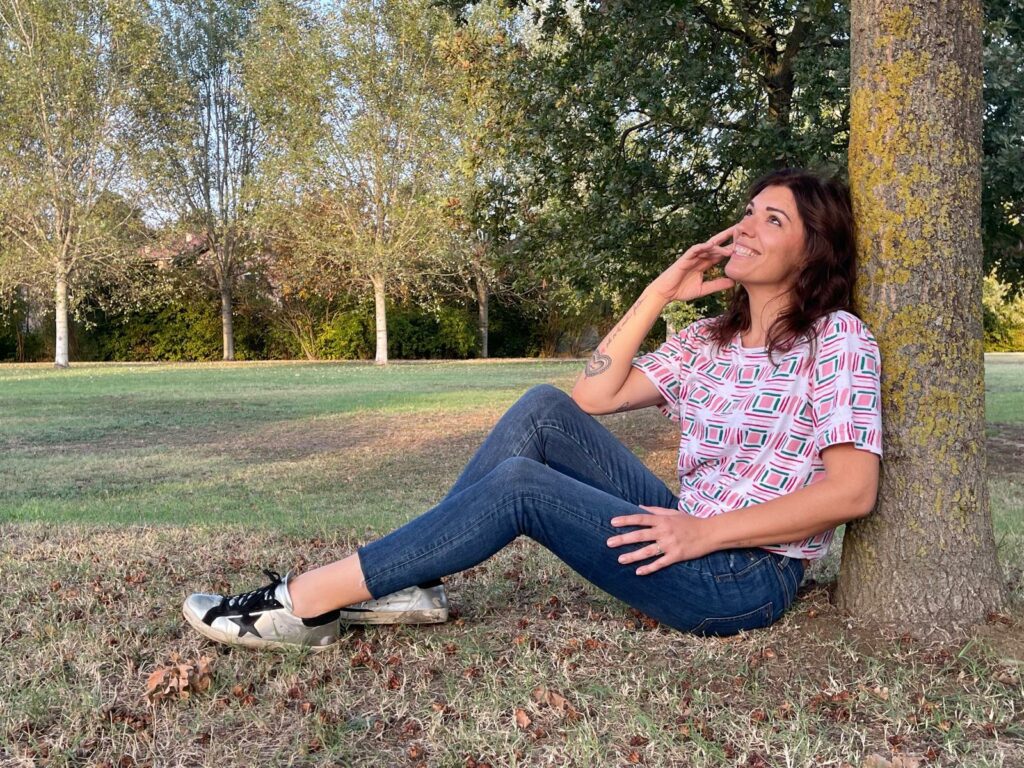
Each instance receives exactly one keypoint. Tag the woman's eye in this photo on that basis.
(775, 219)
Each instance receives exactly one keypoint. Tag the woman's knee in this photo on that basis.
(518, 472)
(544, 399)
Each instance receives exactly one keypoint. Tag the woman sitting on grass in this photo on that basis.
(778, 405)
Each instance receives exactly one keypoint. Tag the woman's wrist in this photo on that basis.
(650, 295)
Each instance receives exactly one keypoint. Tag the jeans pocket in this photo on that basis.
(737, 564)
(788, 580)
(730, 625)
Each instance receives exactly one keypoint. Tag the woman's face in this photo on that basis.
(768, 242)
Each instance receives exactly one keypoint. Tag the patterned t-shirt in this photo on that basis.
(752, 431)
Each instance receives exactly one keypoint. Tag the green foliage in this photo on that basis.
(642, 124)
(680, 314)
(1003, 142)
(20, 341)
(449, 332)
(348, 336)
(186, 329)
(413, 333)
(1003, 316)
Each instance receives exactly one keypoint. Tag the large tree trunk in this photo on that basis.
(927, 555)
(380, 320)
(226, 319)
(60, 302)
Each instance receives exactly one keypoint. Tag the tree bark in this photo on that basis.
(380, 320)
(61, 318)
(226, 319)
(926, 557)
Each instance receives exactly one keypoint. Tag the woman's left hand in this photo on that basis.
(674, 535)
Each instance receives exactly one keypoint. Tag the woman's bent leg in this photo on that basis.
(546, 425)
(717, 594)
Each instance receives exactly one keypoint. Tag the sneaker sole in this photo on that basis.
(424, 616)
(246, 642)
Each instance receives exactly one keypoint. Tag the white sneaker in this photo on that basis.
(425, 604)
(262, 618)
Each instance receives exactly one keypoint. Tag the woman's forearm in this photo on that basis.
(796, 516)
(608, 367)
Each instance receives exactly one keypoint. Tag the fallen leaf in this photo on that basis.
(179, 679)
(522, 719)
(555, 700)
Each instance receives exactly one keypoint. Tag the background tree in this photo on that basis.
(68, 72)
(642, 124)
(1003, 144)
(927, 555)
(480, 211)
(374, 140)
(197, 140)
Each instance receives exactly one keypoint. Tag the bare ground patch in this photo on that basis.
(1005, 449)
(535, 667)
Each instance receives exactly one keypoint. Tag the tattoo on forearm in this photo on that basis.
(623, 407)
(600, 362)
(597, 364)
(625, 319)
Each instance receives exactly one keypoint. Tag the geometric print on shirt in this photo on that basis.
(752, 429)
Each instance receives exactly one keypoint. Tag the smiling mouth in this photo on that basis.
(742, 250)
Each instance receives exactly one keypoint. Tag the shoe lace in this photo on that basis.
(257, 598)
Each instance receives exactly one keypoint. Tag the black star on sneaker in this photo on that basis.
(246, 625)
(247, 603)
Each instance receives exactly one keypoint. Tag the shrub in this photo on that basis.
(349, 336)
(1003, 316)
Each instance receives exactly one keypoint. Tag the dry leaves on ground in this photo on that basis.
(899, 761)
(556, 700)
(179, 679)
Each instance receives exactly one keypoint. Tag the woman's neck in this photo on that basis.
(764, 310)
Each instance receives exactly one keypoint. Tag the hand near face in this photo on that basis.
(684, 279)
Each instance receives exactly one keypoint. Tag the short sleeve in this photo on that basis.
(846, 387)
(665, 367)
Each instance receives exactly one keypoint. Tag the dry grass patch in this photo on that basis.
(535, 667)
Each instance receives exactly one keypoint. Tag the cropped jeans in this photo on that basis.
(553, 473)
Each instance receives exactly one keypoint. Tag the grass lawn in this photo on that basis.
(127, 486)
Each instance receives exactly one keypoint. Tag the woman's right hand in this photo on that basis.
(684, 280)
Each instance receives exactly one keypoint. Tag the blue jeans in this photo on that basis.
(554, 473)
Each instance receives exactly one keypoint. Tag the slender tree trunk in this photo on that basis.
(61, 318)
(380, 320)
(226, 318)
(926, 557)
(483, 294)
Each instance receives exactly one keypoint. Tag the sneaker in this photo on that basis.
(423, 604)
(262, 618)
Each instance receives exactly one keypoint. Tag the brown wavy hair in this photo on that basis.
(824, 283)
